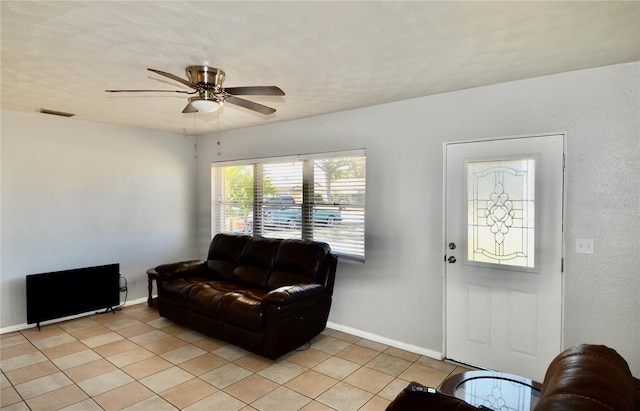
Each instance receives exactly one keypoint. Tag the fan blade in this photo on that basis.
(255, 91)
(189, 109)
(173, 77)
(149, 91)
(250, 105)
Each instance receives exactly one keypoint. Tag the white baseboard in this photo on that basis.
(24, 326)
(387, 341)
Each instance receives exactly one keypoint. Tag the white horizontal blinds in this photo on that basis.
(215, 196)
(282, 198)
(307, 199)
(255, 218)
(234, 199)
(339, 203)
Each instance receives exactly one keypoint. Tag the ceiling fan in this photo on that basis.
(209, 95)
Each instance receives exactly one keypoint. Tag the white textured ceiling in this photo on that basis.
(326, 56)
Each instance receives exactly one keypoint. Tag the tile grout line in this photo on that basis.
(350, 341)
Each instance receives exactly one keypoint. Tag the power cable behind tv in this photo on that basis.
(124, 288)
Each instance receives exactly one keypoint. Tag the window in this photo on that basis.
(317, 197)
(501, 212)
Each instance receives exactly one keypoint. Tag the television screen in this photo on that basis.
(69, 292)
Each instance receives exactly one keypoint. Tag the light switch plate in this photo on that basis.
(584, 245)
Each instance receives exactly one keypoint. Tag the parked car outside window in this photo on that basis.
(283, 212)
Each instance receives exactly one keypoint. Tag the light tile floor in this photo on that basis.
(136, 360)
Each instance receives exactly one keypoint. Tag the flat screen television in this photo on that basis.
(70, 292)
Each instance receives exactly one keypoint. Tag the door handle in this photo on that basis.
(451, 259)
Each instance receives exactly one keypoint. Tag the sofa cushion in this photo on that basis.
(224, 252)
(205, 298)
(225, 286)
(299, 262)
(176, 290)
(227, 247)
(244, 309)
(255, 261)
(221, 269)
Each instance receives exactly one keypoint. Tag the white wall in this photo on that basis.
(397, 293)
(78, 194)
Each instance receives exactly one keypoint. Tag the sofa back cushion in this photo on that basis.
(224, 252)
(299, 262)
(221, 269)
(255, 262)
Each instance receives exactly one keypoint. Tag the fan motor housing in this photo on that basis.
(207, 77)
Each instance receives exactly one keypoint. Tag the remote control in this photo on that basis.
(420, 390)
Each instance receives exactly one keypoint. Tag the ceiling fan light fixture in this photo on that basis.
(205, 106)
(209, 94)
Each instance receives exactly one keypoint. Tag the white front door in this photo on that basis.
(503, 286)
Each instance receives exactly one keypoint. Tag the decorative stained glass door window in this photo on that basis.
(501, 212)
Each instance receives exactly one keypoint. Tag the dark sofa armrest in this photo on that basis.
(636, 383)
(585, 375)
(289, 294)
(181, 269)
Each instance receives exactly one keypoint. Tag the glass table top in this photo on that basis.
(494, 390)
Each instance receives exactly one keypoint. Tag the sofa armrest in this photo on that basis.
(289, 294)
(636, 383)
(586, 375)
(180, 269)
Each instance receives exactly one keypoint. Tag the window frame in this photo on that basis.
(307, 205)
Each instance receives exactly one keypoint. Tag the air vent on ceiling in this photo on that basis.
(56, 113)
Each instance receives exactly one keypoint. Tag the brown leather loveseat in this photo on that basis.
(267, 296)
(582, 378)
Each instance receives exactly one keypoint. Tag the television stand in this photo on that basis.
(106, 310)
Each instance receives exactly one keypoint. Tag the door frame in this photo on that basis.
(445, 144)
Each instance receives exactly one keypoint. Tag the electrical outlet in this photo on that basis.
(584, 245)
